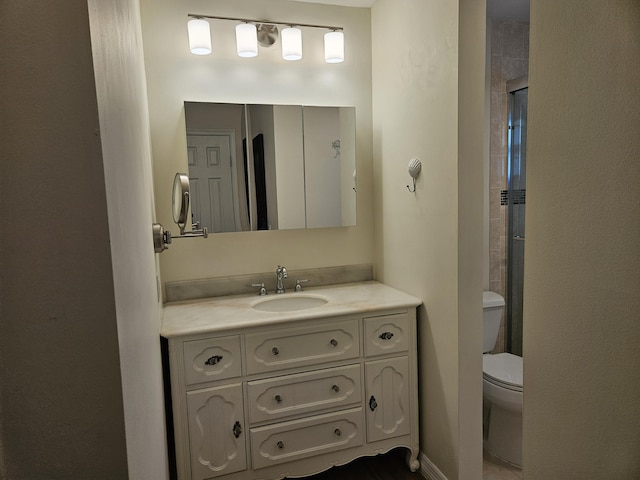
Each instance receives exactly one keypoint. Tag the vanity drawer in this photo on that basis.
(386, 334)
(301, 346)
(212, 359)
(298, 439)
(307, 392)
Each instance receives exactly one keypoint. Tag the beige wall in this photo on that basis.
(175, 75)
(582, 263)
(81, 385)
(124, 133)
(61, 411)
(430, 243)
(471, 148)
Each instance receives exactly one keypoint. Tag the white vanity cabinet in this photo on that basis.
(268, 396)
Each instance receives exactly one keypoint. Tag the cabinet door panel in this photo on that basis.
(386, 334)
(387, 398)
(301, 346)
(307, 392)
(216, 432)
(212, 359)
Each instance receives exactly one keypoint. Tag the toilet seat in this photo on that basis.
(503, 370)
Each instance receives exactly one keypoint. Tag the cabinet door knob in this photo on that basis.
(337, 432)
(333, 342)
(335, 388)
(372, 403)
(280, 444)
(237, 429)
(278, 398)
(275, 351)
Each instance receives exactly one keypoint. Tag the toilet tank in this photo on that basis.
(492, 306)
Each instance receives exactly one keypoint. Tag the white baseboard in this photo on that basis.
(429, 470)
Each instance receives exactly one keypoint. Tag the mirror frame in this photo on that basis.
(181, 200)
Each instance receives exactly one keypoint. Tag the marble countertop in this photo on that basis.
(217, 314)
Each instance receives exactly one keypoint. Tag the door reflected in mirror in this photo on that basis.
(296, 171)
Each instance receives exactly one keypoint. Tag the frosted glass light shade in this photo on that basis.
(334, 47)
(291, 43)
(199, 36)
(246, 40)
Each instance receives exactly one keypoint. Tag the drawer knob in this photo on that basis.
(333, 342)
(372, 403)
(237, 429)
(278, 398)
(275, 351)
(385, 336)
(337, 432)
(280, 444)
(214, 360)
(335, 388)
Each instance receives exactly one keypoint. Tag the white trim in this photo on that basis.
(429, 470)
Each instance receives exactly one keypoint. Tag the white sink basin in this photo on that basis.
(290, 303)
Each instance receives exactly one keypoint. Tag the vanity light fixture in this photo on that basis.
(199, 36)
(250, 33)
(291, 43)
(334, 47)
(247, 40)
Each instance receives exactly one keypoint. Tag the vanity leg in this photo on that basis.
(412, 460)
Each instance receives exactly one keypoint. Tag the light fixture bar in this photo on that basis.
(249, 20)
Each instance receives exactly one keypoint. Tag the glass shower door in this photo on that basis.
(516, 184)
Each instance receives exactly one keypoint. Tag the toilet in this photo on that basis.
(501, 389)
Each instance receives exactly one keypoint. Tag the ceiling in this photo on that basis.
(514, 9)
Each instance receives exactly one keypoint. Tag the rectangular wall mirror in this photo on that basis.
(271, 167)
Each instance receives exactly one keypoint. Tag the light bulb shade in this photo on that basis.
(334, 47)
(199, 36)
(291, 43)
(247, 40)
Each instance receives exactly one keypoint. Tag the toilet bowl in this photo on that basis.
(502, 393)
(501, 389)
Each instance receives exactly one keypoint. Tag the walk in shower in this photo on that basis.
(516, 198)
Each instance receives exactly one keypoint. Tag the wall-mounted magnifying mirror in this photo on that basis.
(180, 200)
(162, 238)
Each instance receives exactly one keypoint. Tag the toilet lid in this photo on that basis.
(503, 369)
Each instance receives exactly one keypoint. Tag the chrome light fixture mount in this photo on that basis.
(267, 34)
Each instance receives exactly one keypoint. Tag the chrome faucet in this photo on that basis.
(281, 274)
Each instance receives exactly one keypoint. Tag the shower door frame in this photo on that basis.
(515, 196)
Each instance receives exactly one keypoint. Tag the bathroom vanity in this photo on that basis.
(266, 387)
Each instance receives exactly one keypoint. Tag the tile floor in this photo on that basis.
(495, 469)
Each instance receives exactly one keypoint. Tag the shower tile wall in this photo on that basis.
(509, 60)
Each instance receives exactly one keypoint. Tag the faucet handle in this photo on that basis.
(263, 291)
(298, 284)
